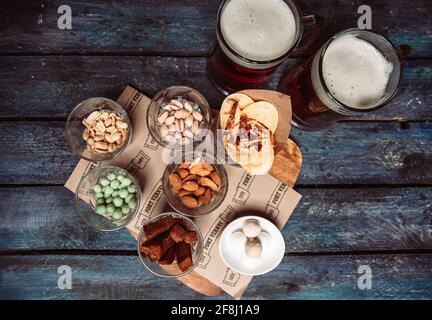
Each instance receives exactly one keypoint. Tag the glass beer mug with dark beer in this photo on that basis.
(253, 38)
(356, 71)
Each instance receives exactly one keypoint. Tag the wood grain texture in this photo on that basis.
(185, 27)
(297, 277)
(326, 220)
(49, 87)
(343, 220)
(347, 153)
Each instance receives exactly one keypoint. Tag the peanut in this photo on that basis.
(104, 132)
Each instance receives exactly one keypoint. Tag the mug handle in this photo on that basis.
(311, 35)
(311, 19)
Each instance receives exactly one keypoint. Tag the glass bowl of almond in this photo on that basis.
(196, 185)
(178, 117)
(98, 129)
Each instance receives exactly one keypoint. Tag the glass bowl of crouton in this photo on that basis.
(195, 185)
(170, 245)
(98, 129)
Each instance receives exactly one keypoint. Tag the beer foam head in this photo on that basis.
(258, 30)
(355, 72)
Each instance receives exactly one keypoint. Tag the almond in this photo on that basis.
(175, 181)
(209, 183)
(195, 162)
(216, 179)
(184, 165)
(207, 196)
(203, 172)
(190, 185)
(183, 173)
(183, 193)
(190, 177)
(195, 167)
(189, 202)
(207, 166)
(200, 200)
(199, 170)
(200, 191)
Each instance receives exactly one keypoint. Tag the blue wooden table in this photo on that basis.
(366, 183)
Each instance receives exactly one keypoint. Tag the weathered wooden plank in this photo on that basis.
(368, 153)
(347, 153)
(298, 277)
(184, 27)
(49, 87)
(326, 220)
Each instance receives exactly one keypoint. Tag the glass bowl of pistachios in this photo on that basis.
(98, 129)
(178, 117)
(107, 198)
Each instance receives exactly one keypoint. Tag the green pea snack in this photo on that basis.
(115, 196)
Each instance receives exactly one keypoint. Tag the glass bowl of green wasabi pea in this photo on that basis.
(108, 198)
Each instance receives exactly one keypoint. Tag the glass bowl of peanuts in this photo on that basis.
(178, 117)
(107, 198)
(98, 129)
(195, 185)
(170, 245)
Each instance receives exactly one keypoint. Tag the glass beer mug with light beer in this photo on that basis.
(253, 38)
(354, 72)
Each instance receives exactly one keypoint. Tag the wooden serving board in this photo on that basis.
(286, 168)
